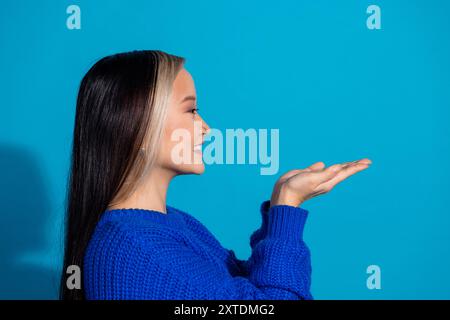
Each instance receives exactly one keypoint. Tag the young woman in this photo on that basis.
(127, 241)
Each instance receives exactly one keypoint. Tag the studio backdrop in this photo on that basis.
(305, 81)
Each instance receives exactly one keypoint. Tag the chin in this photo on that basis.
(194, 169)
(198, 168)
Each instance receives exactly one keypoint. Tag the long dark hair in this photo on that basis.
(120, 111)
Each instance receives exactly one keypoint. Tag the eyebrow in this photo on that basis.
(188, 98)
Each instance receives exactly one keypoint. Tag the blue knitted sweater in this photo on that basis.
(146, 254)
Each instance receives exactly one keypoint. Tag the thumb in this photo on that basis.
(316, 166)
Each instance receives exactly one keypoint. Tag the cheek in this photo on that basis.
(183, 127)
(167, 143)
(174, 133)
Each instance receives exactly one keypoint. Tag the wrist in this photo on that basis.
(284, 197)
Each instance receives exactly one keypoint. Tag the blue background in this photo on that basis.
(336, 90)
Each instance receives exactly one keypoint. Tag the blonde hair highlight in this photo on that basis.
(151, 132)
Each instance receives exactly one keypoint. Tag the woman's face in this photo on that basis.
(181, 150)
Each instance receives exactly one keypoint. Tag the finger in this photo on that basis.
(326, 174)
(291, 173)
(348, 163)
(343, 174)
(316, 166)
(364, 161)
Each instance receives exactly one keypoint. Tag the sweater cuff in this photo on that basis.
(286, 222)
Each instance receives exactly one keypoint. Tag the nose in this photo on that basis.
(206, 128)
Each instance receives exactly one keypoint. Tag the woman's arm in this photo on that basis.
(237, 267)
(256, 236)
(278, 268)
(260, 233)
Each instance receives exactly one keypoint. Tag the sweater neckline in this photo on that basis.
(171, 217)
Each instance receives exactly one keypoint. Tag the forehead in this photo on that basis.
(183, 85)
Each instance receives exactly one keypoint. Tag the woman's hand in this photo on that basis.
(297, 186)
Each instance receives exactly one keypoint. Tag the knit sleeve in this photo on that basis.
(278, 268)
(261, 231)
(237, 266)
(256, 236)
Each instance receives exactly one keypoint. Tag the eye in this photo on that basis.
(194, 110)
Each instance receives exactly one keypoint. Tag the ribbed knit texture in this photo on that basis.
(147, 254)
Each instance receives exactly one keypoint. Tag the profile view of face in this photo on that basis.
(181, 146)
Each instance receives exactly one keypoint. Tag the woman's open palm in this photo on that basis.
(297, 186)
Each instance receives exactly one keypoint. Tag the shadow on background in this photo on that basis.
(24, 213)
